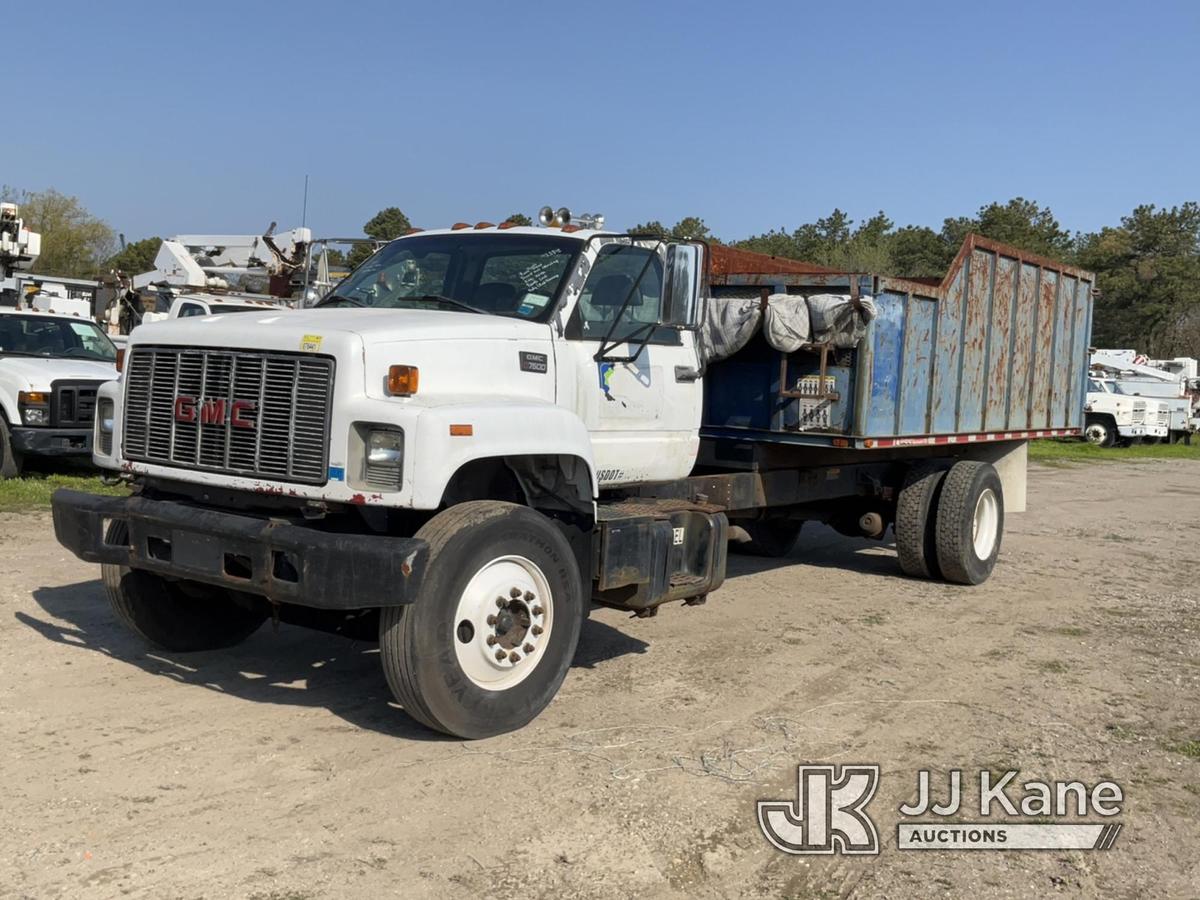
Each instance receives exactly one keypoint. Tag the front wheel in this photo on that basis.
(181, 616)
(10, 459)
(1100, 432)
(488, 640)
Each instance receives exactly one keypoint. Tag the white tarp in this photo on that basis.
(790, 322)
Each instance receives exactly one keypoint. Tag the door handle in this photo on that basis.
(686, 373)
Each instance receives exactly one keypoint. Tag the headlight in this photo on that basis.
(34, 407)
(104, 416)
(383, 467)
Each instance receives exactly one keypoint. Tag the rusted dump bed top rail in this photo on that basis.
(997, 350)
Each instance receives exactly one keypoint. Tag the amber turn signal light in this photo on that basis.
(121, 359)
(403, 380)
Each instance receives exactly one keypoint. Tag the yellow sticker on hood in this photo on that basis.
(310, 343)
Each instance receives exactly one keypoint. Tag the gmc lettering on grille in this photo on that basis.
(215, 412)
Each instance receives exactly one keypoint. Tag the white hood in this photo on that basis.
(40, 371)
(286, 329)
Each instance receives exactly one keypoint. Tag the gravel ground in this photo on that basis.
(281, 770)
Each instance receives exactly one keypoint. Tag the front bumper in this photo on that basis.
(52, 441)
(283, 562)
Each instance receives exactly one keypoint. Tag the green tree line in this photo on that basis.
(1147, 266)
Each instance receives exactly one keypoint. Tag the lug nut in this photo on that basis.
(514, 657)
(500, 602)
(515, 593)
(537, 610)
(528, 648)
(500, 656)
(491, 640)
(491, 620)
(536, 629)
(529, 596)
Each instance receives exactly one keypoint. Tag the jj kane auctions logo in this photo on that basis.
(829, 814)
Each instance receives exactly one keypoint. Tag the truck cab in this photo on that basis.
(51, 367)
(1114, 417)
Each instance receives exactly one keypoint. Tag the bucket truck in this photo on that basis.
(19, 247)
(209, 271)
(1134, 375)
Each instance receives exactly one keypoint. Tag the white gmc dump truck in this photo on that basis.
(486, 430)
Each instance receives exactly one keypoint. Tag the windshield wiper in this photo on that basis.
(442, 298)
(334, 298)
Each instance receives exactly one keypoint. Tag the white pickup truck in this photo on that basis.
(485, 430)
(199, 303)
(50, 369)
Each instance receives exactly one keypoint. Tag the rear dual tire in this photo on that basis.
(949, 522)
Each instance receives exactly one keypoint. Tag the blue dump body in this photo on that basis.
(998, 350)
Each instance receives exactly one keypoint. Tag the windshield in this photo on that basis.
(55, 338)
(499, 274)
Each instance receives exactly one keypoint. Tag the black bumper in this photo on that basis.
(52, 441)
(284, 562)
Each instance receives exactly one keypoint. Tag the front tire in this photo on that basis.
(970, 522)
(10, 459)
(179, 616)
(1100, 431)
(487, 642)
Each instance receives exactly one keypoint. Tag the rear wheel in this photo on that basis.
(487, 643)
(970, 522)
(10, 459)
(769, 537)
(181, 616)
(916, 522)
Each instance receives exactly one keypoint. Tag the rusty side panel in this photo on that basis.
(916, 366)
(1079, 356)
(975, 333)
(1044, 357)
(725, 263)
(1059, 396)
(1023, 349)
(946, 356)
(999, 391)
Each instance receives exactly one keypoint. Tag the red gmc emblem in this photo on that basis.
(214, 412)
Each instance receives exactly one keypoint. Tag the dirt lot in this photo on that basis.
(280, 770)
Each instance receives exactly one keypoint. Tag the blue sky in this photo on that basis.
(181, 117)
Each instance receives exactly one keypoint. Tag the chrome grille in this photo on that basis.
(264, 415)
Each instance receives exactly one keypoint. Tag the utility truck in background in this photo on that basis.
(19, 249)
(1169, 389)
(485, 430)
(195, 273)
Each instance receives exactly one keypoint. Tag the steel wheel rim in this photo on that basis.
(1096, 434)
(502, 623)
(986, 524)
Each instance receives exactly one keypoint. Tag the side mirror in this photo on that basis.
(683, 286)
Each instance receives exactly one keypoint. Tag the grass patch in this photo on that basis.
(1052, 452)
(32, 491)
(1053, 666)
(1190, 749)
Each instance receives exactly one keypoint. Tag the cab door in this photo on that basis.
(630, 340)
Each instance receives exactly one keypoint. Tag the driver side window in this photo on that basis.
(621, 272)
